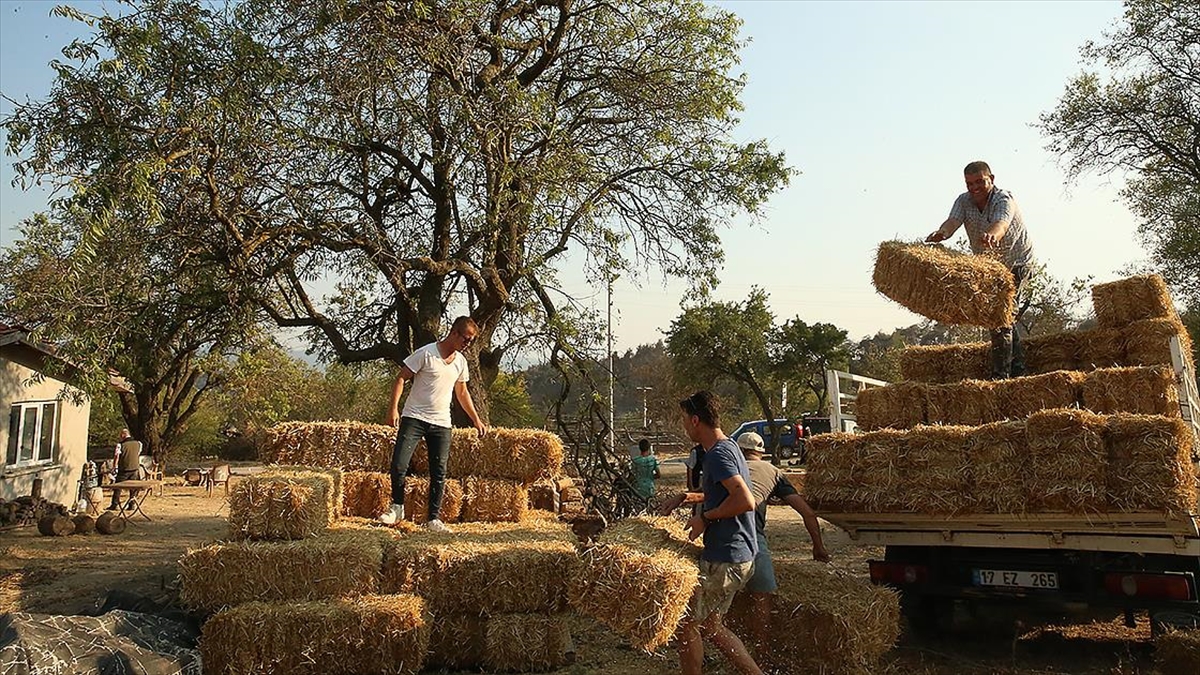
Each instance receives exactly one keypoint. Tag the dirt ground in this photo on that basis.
(71, 575)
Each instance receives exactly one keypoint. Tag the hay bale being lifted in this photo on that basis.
(1122, 302)
(484, 568)
(336, 564)
(896, 406)
(1178, 652)
(1148, 390)
(372, 634)
(637, 579)
(1150, 464)
(943, 364)
(821, 621)
(280, 507)
(945, 285)
(1068, 461)
(999, 458)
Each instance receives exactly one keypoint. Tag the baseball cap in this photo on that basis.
(750, 441)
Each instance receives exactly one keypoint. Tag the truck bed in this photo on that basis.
(1139, 532)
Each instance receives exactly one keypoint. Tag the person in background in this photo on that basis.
(645, 472)
(767, 482)
(126, 458)
(995, 227)
(438, 370)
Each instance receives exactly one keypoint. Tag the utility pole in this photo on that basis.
(645, 409)
(612, 433)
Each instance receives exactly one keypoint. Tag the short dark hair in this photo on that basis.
(705, 405)
(462, 323)
(977, 166)
(644, 445)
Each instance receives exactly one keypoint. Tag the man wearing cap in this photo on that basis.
(767, 481)
(994, 227)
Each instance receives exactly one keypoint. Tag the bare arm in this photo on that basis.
(739, 501)
(810, 523)
(681, 499)
(945, 230)
(464, 399)
(393, 416)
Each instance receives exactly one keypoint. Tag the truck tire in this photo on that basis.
(1167, 620)
(785, 452)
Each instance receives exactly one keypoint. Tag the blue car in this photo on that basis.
(791, 443)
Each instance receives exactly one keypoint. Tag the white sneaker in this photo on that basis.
(392, 515)
(436, 526)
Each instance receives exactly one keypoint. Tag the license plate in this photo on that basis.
(1015, 579)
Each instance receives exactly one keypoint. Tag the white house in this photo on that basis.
(46, 434)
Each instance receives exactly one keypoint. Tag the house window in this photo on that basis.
(32, 433)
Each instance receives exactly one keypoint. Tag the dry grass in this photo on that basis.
(370, 634)
(336, 564)
(526, 643)
(1067, 467)
(1150, 464)
(272, 507)
(999, 458)
(493, 500)
(1178, 652)
(637, 579)
(1147, 390)
(896, 406)
(945, 285)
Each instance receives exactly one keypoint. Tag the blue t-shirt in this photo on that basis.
(730, 540)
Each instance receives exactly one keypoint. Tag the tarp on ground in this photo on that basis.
(117, 643)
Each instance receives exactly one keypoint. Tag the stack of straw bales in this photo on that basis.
(283, 504)
(939, 364)
(821, 621)
(350, 446)
(1063, 460)
(1178, 652)
(368, 634)
(637, 579)
(944, 285)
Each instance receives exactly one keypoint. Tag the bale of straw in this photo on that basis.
(935, 475)
(1068, 461)
(1178, 652)
(945, 285)
(834, 472)
(1150, 464)
(1101, 348)
(896, 406)
(280, 507)
(1122, 302)
(637, 578)
(880, 469)
(941, 364)
(527, 643)
(970, 402)
(822, 621)
(416, 499)
(999, 457)
(522, 455)
(351, 446)
(1020, 397)
(1148, 390)
(337, 564)
(1147, 343)
(492, 500)
(484, 568)
(366, 494)
(370, 634)
(371, 525)
(1048, 353)
(456, 641)
(295, 470)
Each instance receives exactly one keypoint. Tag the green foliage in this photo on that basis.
(1142, 119)
(511, 405)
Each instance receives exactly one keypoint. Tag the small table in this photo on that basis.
(139, 490)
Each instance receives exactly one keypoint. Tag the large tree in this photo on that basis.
(1141, 118)
(417, 159)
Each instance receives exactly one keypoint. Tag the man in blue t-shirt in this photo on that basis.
(727, 523)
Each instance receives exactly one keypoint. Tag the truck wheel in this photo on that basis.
(927, 615)
(785, 452)
(1167, 620)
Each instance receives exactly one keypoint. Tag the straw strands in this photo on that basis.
(834, 472)
(336, 564)
(1067, 461)
(945, 285)
(293, 470)
(352, 446)
(1122, 302)
(522, 455)
(1101, 348)
(1178, 652)
(1147, 343)
(896, 406)
(524, 643)
(1057, 351)
(366, 494)
(999, 457)
(274, 507)
(1020, 397)
(936, 476)
(1150, 464)
(366, 635)
(484, 569)
(637, 579)
(940, 364)
(971, 402)
(1146, 390)
(822, 621)
(490, 500)
(416, 499)
(456, 641)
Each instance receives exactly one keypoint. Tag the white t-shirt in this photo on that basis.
(433, 384)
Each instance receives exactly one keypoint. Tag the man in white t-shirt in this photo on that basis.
(437, 370)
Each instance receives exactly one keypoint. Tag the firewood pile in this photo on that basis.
(28, 510)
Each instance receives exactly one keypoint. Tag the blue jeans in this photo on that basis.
(437, 441)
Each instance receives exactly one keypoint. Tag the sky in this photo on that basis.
(877, 105)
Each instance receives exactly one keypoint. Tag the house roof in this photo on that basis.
(16, 344)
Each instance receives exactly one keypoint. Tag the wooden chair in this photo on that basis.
(219, 474)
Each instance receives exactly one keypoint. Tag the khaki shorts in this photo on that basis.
(719, 582)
